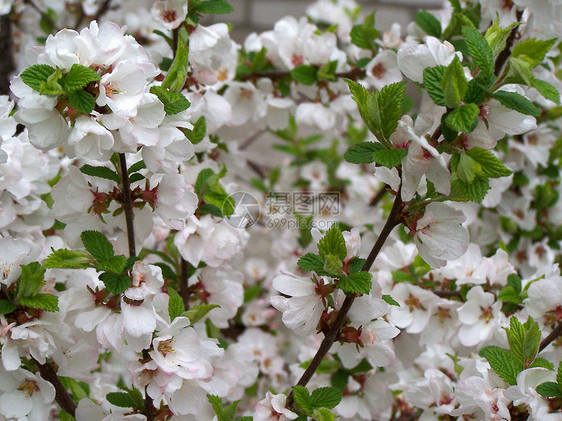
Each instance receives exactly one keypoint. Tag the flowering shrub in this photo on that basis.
(159, 258)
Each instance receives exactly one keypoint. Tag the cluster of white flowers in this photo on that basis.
(128, 289)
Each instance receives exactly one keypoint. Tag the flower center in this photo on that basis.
(166, 347)
(28, 387)
(378, 71)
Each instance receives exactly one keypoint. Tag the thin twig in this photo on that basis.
(332, 334)
(61, 395)
(378, 197)
(447, 294)
(551, 337)
(128, 207)
(127, 204)
(102, 10)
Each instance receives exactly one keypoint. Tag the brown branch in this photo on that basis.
(506, 52)
(61, 395)
(332, 334)
(128, 208)
(447, 294)
(7, 65)
(551, 337)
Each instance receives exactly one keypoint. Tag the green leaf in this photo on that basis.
(390, 300)
(120, 399)
(302, 398)
(475, 191)
(34, 75)
(432, 77)
(362, 153)
(390, 100)
(31, 279)
(78, 77)
(214, 7)
(326, 366)
(532, 50)
(202, 178)
(454, 83)
(490, 165)
(356, 283)
(304, 74)
(541, 362)
(218, 197)
(464, 118)
(175, 305)
(113, 264)
(68, 259)
(509, 295)
(46, 302)
(78, 392)
(547, 90)
(428, 23)
(97, 245)
(197, 134)
(177, 74)
(6, 307)
(82, 101)
(559, 375)
(356, 264)
(480, 51)
(549, 390)
(174, 103)
(503, 363)
(311, 262)
(332, 264)
(466, 168)
(115, 283)
(364, 35)
(196, 313)
(496, 36)
(327, 71)
(514, 281)
(516, 102)
(101, 172)
(323, 414)
(532, 341)
(332, 243)
(325, 397)
(51, 86)
(521, 69)
(389, 158)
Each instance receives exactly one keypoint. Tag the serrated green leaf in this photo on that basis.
(82, 101)
(369, 109)
(490, 165)
(120, 399)
(175, 305)
(325, 397)
(541, 362)
(46, 302)
(197, 312)
(177, 74)
(516, 337)
(362, 153)
(326, 366)
(531, 341)
(559, 375)
(332, 243)
(68, 259)
(323, 414)
(174, 103)
(389, 158)
(52, 87)
(305, 74)
(78, 77)
(466, 168)
(78, 392)
(454, 83)
(547, 90)
(464, 118)
(496, 36)
(509, 295)
(432, 77)
(311, 262)
(532, 50)
(197, 134)
(516, 102)
(549, 390)
(97, 245)
(302, 398)
(214, 7)
(428, 23)
(356, 283)
(390, 300)
(6, 307)
(332, 264)
(33, 76)
(390, 100)
(202, 178)
(113, 264)
(364, 35)
(521, 69)
(503, 363)
(327, 71)
(514, 281)
(474, 191)
(101, 172)
(356, 264)
(31, 279)
(480, 51)
(115, 282)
